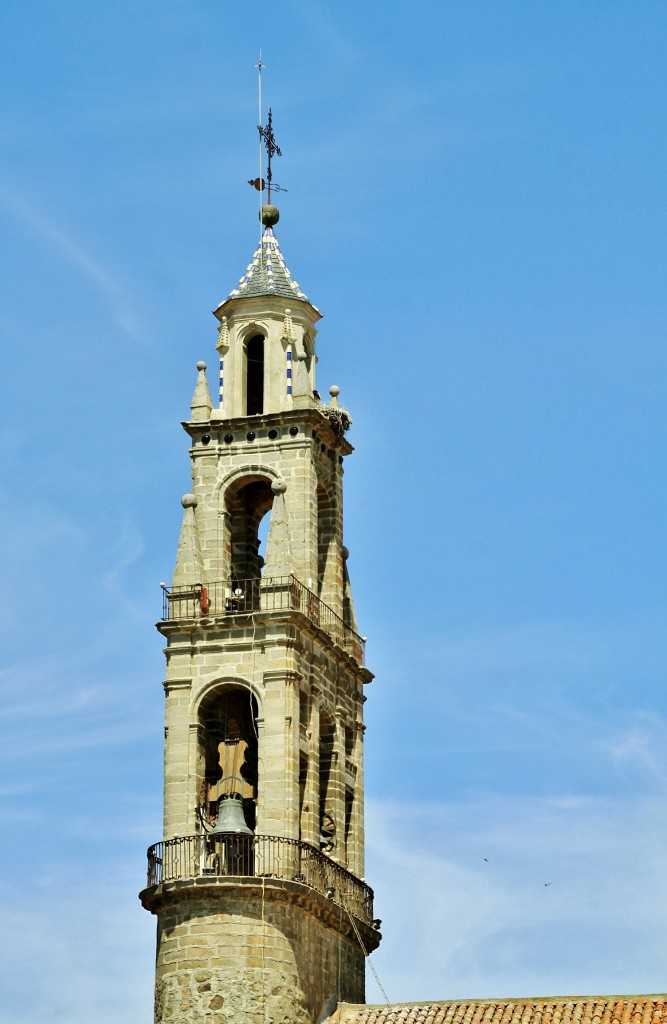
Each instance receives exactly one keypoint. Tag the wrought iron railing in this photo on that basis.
(207, 856)
(267, 594)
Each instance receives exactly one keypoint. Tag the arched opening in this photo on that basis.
(255, 375)
(247, 505)
(228, 753)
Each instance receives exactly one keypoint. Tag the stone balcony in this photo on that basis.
(273, 594)
(236, 856)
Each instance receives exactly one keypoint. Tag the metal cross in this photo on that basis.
(272, 148)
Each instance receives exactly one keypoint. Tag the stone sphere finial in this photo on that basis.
(346, 553)
(334, 391)
(201, 365)
(269, 215)
(278, 486)
(189, 501)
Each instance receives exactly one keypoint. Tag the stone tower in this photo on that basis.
(257, 885)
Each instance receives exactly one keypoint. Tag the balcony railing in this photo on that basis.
(267, 594)
(206, 856)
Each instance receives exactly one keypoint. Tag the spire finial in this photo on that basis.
(272, 148)
(268, 214)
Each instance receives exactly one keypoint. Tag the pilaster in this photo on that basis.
(310, 826)
(279, 780)
(337, 787)
(176, 755)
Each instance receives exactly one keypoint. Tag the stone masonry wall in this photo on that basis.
(234, 953)
(280, 664)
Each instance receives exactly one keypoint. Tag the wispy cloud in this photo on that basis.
(546, 644)
(640, 748)
(130, 547)
(519, 895)
(50, 234)
(97, 969)
(541, 679)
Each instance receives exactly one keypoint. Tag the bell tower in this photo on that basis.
(258, 882)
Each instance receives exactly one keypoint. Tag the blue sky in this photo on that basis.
(477, 204)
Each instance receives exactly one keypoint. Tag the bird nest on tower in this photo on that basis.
(339, 419)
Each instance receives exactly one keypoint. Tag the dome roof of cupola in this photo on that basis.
(267, 273)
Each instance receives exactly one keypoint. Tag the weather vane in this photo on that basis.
(268, 140)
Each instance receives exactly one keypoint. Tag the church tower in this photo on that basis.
(258, 883)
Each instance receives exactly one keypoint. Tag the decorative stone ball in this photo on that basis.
(201, 366)
(346, 553)
(278, 486)
(269, 215)
(189, 501)
(334, 391)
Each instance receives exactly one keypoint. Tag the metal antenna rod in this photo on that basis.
(259, 65)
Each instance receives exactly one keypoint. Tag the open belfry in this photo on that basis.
(258, 883)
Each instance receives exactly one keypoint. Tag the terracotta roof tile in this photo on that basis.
(552, 1010)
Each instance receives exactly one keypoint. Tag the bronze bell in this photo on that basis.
(231, 818)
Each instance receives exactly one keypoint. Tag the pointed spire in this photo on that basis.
(267, 273)
(223, 336)
(201, 406)
(278, 560)
(189, 569)
(288, 326)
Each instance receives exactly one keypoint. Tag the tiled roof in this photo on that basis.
(556, 1010)
(267, 273)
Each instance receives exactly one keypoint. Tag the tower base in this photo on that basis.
(252, 950)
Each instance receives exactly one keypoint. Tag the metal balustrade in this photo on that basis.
(250, 856)
(265, 594)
